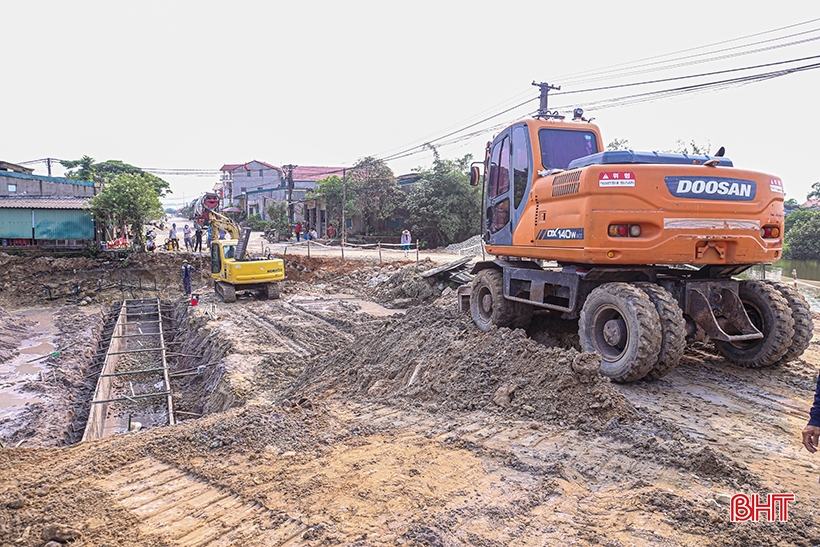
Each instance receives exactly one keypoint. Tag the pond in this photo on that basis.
(808, 275)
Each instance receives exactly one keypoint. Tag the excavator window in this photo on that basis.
(229, 251)
(560, 146)
(520, 163)
(499, 169)
(216, 258)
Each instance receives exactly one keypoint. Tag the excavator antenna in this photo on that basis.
(543, 111)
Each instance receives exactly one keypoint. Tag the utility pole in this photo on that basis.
(344, 202)
(289, 185)
(48, 163)
(543, 111)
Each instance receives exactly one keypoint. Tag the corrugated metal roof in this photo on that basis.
(42, 202)
(44, 178)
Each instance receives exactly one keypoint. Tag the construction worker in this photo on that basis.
(187, 276)
(172, 236)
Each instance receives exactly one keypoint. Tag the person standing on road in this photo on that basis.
(172, 236)
(794, 275)
(298, 231)
(186, 235)
(187, 277)
(406, 238)
(198, 239)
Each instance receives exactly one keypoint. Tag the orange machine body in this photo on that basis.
(553, 194)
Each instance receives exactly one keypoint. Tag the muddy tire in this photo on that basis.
(225, 291)
(487, 303)
(673, 330)
(620, 323)
(770, 313)
(803, 324)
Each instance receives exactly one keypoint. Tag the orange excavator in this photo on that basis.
(641, 248)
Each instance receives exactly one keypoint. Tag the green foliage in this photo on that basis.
(797, 217)
(618, 144)
(104, 172)
(373, 193)
(791, 203)
(127, 199)
(692, 148)
(278, 215)
(803, 240)
(815, 191)
(443, 207)
(331, 190)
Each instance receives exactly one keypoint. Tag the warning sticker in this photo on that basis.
(776, 185)
(616, 178)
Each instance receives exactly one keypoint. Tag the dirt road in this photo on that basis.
(330, 419)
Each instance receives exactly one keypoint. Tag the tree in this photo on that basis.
(375, 193)
(791, 203)
(803, 240)
(618, 144)
(442, 205)
(692, 148)
(127, 199)
(815, 191)
(796, 218)
(104, 172)
(278, 215)
(331, 190)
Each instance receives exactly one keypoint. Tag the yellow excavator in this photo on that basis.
(232, 269)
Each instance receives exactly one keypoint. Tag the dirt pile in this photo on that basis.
(47, 281)
(437, 358)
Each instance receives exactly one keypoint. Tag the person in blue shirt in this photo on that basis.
(811, 433)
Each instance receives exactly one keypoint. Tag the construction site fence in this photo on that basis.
(386, 248)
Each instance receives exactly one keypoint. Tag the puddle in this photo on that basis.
(370, 308)
(28, 364)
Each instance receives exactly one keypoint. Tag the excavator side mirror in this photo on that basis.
(475, 174)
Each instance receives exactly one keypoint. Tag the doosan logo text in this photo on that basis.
(720, 189)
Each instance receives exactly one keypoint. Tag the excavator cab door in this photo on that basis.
(498, 227)
(216, 258)
(508, 181)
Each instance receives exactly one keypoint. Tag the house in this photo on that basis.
(240, 178)
(253, 186)
(36, 210)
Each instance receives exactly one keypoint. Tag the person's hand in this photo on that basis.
(811, 434)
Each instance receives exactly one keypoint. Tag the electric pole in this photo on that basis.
(289, 185)
(344, 202)
(543, 111)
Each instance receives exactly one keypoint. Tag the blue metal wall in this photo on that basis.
(15, 223)
(62, 224)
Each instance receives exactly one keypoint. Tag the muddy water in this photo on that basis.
(26, 366)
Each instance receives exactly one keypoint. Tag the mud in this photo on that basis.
(312, 422)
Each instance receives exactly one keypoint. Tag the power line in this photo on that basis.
(602, 70)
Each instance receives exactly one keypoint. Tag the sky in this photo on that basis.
(195, 85)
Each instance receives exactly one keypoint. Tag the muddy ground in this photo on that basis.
(362, 409)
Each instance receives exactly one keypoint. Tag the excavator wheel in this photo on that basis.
(803, 324)
(487, 303)
(620, 323)
(225, 291)
(770, 313)
(673, 330)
